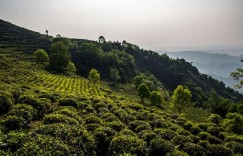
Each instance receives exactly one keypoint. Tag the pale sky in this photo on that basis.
(151, 24)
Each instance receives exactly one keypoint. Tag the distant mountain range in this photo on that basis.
(219, 66)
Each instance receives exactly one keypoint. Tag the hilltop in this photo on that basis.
(72, 112)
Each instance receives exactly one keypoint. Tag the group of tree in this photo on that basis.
(154, 97)
(59, 58)
(121, 61)
(115, 65)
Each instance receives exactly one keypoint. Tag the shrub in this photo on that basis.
(165, 133)
(127, 132)
(68, 102)
(99, 105)
(217, 150)
(41, 56)
(58, 108)
(182, 131)
(5, 104)
(127, 144)
(109, 117)
(204, 135)
(92, 119)
(68, 112)
(14, 122)
(59, 118)
(43, 106)
(221, 135)
(177, 153)
(214, 140)
(214, 118)
(136, 106)
(204, 143)
(159, 123)
(22, 110)
(75, 136)
(101, 140)
(213, 130)
(139, 125)
(181, 140)
(122, 115)
(234, 123)
(237, 148)
(194, 138)
(147, 135)
(28, 99)
(109, 133)
(193, 149)
(92, 126)
(46, 145)
(94, 75)
(52, 97)
(195, 130)
(234, 138)
(15, 140)
(159, 146)
(117, 126)
(187, 125)
(16, 94)
(203, 126)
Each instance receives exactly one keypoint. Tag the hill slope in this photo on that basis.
(130, 62)
(49, 114)
(219, 66)
(21, 38)
(59, 115)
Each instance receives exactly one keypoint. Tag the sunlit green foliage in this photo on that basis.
(41, 56)
(94, 75)
(156, 98)
(234, 123)
(50, 114)
(181, 98)
(71, 69)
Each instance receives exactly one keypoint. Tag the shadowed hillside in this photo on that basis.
(21, 38)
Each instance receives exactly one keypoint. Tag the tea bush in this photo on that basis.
(127, 144)
(159, 146)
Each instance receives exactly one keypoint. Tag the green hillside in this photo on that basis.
(21, 38)
(45, 112)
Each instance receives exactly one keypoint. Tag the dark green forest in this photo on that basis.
(65, 96)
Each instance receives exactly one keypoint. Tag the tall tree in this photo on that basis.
(59, 57)
(143, 92)
(181, 98)
(101, 39)
(156, 98)
(114, 74)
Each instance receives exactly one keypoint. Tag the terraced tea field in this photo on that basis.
(64, 85)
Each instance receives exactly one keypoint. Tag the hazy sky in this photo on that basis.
(152, 24)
